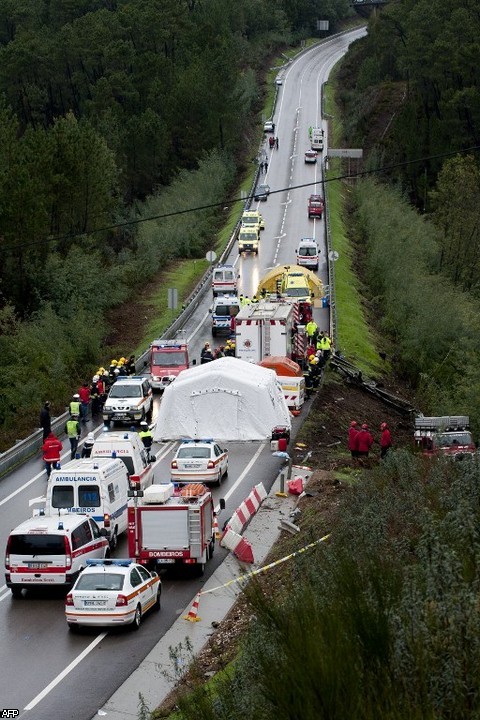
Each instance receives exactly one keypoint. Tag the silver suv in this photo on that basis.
(129, 400)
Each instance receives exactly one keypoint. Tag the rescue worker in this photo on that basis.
(325, 345)
(111, 372)
(219, 352)
(352, 438)
(246, 300)
(51, 449)
(102, 391)
(130, 365)
(241, 300)
(121, 367)
(45, 420)
(363, 441)
(88, 445)
(311, 331)
(232, 348)
(95, 395)
(255, 299)
(206, 355)
(146, 437)
(276, 143)
(84, 394)
(308, 383)
(263, 293)
(233, 325)
(315, 370)
(72, 428)
(385, 439)
(74, 406)
(228, 349)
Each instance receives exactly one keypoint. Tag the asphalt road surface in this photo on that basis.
(48, 672)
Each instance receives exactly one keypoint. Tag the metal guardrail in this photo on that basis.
(29, 446)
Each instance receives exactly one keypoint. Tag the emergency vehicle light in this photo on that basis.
(121, 562)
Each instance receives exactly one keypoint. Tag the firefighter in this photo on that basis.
(74, 406)
(241, 300)
(325, 345)
(352, 438)
(206, 354)
(88, 445)
(84, 394)
(51, 449)
(254, 299)
(385, 439)
(146, 437)
(130, 365)
(308, 383)
(363, 441)
(246, 300)
(72, 428)
(311, 331)
(95, 395)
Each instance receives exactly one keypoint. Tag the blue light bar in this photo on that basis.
(110, 561)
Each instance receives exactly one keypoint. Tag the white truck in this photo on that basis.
(317, 139)
(130, 449)
(270, 328)
(168, 526)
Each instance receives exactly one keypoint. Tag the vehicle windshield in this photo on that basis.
(226, 310)
(307, 251)
(316, 203)
(170, 358)
(120, 390)
(193, 452)
(250, 220)
(100, 581)
(451, 439)
(264, 188)
(249, 234)
(37, 544)
(297, 292)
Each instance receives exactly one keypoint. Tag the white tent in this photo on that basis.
(226, 399)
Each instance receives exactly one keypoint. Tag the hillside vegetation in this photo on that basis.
(111, 113)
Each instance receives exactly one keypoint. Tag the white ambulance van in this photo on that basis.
(47, 551)
(97, 487)
(129, 447)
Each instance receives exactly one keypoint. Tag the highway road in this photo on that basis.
(46, 671)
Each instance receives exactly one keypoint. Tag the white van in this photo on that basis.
(129, 447)
(308, 253)
(97, 487)
(52, 550)
(224, 280)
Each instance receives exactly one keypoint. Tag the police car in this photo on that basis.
(112, 592)
(199, 461)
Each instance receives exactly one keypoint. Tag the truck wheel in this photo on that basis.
(114, 540)
(200, 569)
(211, 548)
(137, 619)
(16, 593)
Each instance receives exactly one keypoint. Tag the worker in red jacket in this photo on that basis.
(352, 438)
(385, 439)
(363, 441)
(51, 449)
(84, 393)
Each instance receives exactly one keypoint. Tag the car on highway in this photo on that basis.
(310, 156)
(269, 126)
(262, 192)
(112, 592)
(199, 461)
(129, 400)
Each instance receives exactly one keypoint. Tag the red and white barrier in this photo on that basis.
(240, 547)
(247, 509)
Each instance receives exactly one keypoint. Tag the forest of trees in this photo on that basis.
(105, 105)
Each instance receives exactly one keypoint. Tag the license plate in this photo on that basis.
(94, 603)
(121, 416)
(38, 565)
(167, 562)
(192, 466)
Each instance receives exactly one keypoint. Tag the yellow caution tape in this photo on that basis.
(266, 567)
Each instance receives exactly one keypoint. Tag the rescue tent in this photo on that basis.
(227, 399)
(270, 281)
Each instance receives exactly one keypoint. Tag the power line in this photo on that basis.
(174, 213)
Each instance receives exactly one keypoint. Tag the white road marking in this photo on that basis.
(240, 477)
(65, 672)
(2, 597)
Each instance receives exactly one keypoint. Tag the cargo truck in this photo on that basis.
(445, 436)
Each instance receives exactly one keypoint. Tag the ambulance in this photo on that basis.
(128, 447)
(96, 487)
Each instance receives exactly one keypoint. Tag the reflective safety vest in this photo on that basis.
(311, 328)
(324, 343)
(146, 437)
(72, 428)
(75, 407)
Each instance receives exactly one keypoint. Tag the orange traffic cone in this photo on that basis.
(192, 613)
(216, 529)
